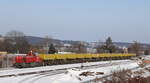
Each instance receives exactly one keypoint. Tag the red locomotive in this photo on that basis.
(30, 60)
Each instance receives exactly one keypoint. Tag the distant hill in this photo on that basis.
(38, 40)
(122, 44)
(34, 40)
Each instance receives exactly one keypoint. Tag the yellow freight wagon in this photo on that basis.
(54, 59)
(82, 56)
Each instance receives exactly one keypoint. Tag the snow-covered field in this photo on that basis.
(61, 77)
(68, 75)
(55, 67)
(73, 75)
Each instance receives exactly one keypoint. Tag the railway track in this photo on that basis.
(36, 77)
(32, 79)
(47, 71)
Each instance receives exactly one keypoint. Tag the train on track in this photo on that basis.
(32, 60)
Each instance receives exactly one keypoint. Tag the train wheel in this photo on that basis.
(19, 65)
(34, 64)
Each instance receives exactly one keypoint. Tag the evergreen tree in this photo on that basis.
(52, 49)
(109, 42)
(108, 47)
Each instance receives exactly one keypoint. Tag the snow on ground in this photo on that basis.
(71, 76)
(143, 71)
(46, 68)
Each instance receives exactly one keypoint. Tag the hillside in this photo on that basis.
(38, 40)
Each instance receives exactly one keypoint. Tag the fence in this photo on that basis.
(6, 61)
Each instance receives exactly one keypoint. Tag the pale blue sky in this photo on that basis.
(88, 20)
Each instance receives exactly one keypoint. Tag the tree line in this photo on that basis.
(109, 47)
(15, 42)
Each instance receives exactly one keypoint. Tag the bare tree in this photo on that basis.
(48, 40)
(14, 34)
(81, 48)
(100, 49)
(135, 48)
(15, 41)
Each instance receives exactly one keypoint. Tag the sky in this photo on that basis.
(85, 20)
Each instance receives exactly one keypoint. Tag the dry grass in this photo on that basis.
(125, 76)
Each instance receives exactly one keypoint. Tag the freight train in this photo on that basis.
(32, 60)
